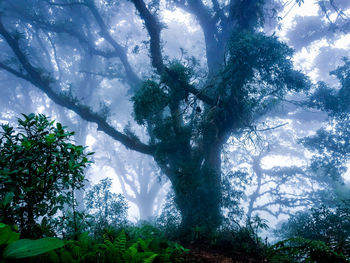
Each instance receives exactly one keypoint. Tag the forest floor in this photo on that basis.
(204, 255)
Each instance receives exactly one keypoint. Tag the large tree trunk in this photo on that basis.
(146, 208)
(198, 196)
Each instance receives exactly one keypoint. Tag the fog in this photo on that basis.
(160, 94)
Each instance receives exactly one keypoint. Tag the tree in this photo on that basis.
(187, 120)
(323, 223)
(137, 174)
(330, 145)
(105, 207)
(329, 25)
(328, 221)
(285, 186)
(40, 168)
(189, 153)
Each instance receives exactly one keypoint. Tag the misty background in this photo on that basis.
(97, 54)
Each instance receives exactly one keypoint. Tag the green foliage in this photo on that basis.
(255, 57)
(39, 167)
(331, 146)
(104, 213)
(70, 224)
(338, 101)
(133, 244)
(28, 248)
(152, 239)
(104, 207)
(176, 77)
(170, 218)
(330, 225)
(304, 250)
(258, 71)
(11, 247)
(7, 236)
(149, 101)
(243, 239)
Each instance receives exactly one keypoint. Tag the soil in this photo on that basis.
(205, 255)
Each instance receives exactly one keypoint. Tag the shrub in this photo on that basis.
(40, 168)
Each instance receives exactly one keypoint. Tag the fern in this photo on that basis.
(120, 242)
(131, 245)
(150, 259)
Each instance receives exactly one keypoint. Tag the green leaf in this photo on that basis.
(54, 211)
(120, 242)
(150, 259)
(31, 116)
(28, 248)
(6, 235)
(7, 199)
(26, 144)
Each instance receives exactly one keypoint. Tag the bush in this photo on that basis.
(304, 250)
(330, 225)
(40, 168)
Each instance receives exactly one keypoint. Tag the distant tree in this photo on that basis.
(276, 190)
(104, 207)
(328, 220)
(328, 224)
(40, 168)
(139, 177)
(331, 144)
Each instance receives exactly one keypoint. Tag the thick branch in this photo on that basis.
(37, 79)
(191, 89)
(154, 28)
(117, 51)
(133, 78)
(214, 48)
(14, 72)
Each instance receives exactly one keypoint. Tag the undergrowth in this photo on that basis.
(131, 244)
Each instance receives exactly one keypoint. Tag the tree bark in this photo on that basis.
(28, 230)
(198, 195)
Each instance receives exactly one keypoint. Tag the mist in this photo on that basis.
(221, 127)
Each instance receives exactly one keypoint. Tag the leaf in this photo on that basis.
(59, 126)
(6, 235)
(132, 250)
(7, 199)
(28, 248)
(54, 211)
(150, 259)
(120, 242)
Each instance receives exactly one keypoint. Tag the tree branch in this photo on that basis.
(117, 51)
(133, 78)
(154, 28)
(14, 72)
(191, 89)
(214, 49)
(37, 79)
